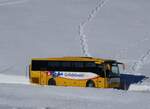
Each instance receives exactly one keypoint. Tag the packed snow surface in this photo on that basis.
(44, 97)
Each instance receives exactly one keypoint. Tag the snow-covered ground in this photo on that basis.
(40, 97)
(13, 79)
(117, 29)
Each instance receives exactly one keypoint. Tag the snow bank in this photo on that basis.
(13, 79)
(139, 87)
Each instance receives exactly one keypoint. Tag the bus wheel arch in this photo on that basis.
(90, 83)
(52, 82)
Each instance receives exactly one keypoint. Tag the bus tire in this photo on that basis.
(51, 82)
(90, 83)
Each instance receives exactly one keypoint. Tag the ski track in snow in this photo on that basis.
(12, 2)
(6, 69)
(83, 38)
(141, 61)
(137, 64)
(125, 50)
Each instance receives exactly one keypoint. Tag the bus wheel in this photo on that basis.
(90, 83)
(51, 82)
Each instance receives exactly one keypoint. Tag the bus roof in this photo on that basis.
(77, 58)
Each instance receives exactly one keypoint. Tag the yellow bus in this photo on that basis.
(75, 71)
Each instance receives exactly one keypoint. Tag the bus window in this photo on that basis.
(54, 64)
(78, 64)
(39, 65)
(115, 69)
(66, 64)
(101, 72)
(90, 64)
(112, 70)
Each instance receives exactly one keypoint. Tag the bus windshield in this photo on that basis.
(115, 69)
(112, 70)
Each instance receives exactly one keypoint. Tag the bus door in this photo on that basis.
(112, 75)
(43, 78)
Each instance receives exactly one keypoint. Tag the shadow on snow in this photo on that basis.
(128, 79)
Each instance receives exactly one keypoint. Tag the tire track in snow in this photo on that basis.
(12, 2)
(83, 37)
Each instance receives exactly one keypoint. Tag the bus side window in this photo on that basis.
(90, 64)
(102, 73)
(53, 64)
(66, 64)
(78, 64)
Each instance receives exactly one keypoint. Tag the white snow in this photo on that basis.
(11, 2)
(50, 28)
(139, 87)
(39, 97)
(13, 79)
(83, 37)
